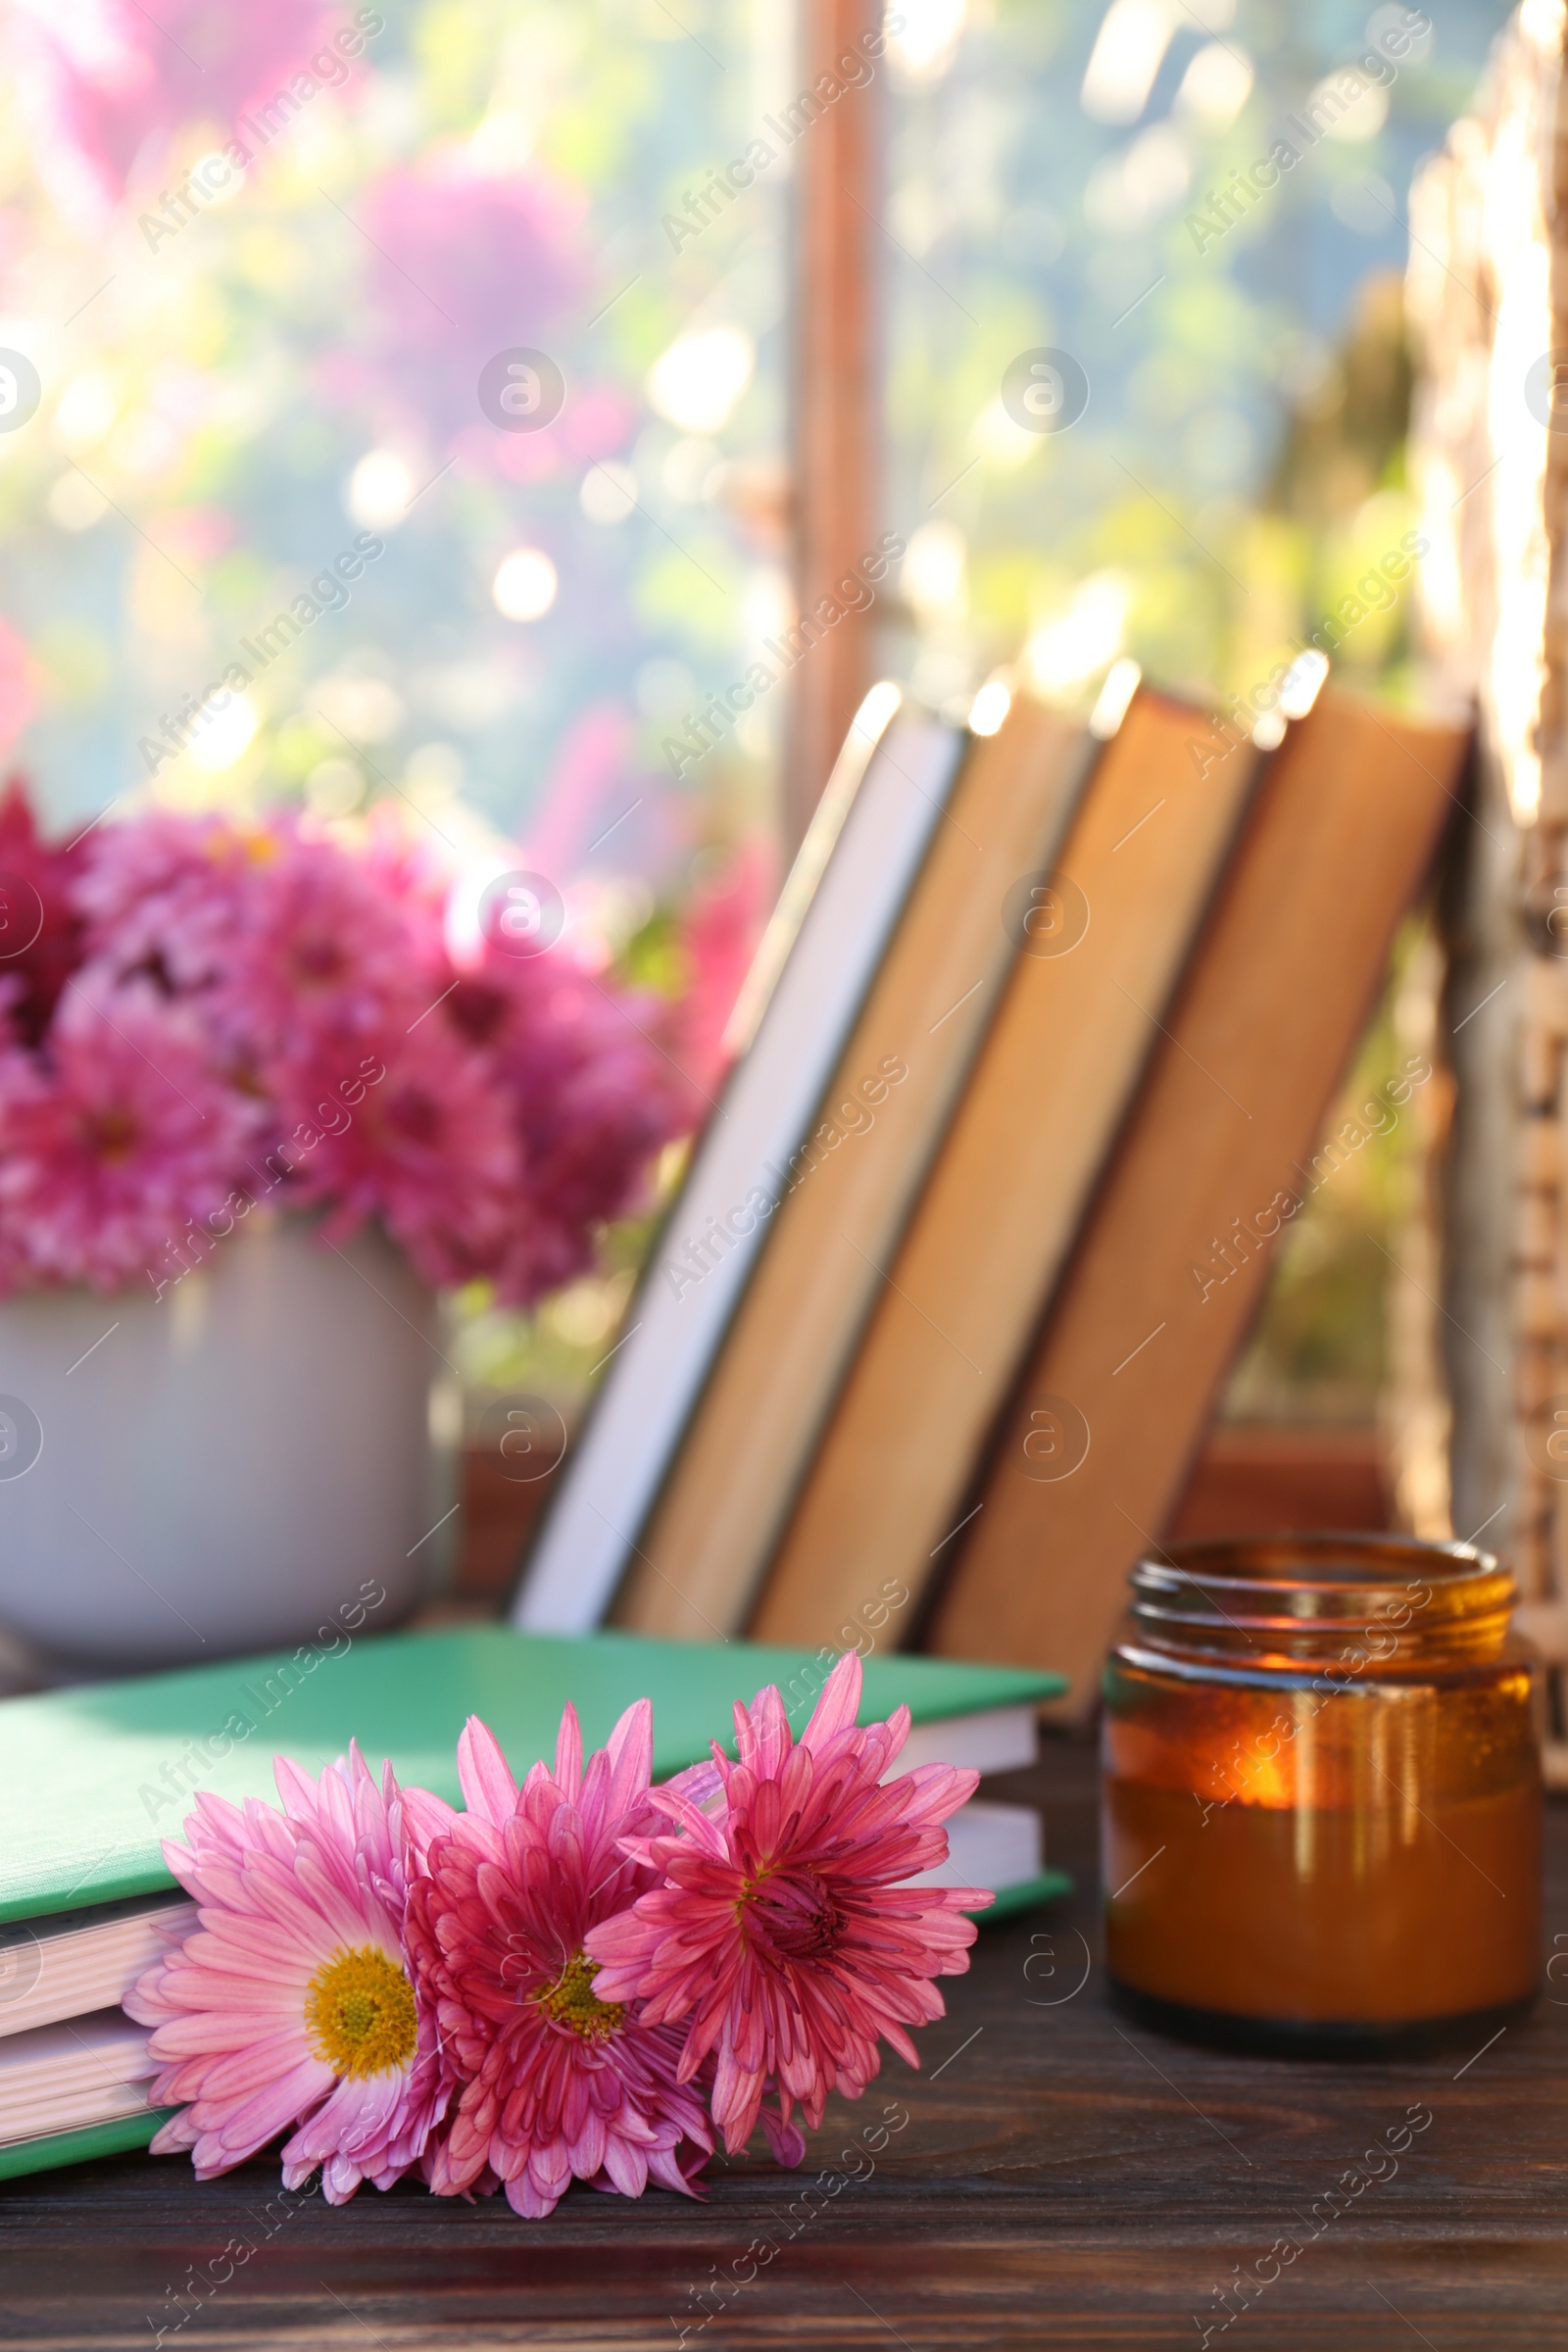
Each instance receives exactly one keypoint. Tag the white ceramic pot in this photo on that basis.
(230, 1468)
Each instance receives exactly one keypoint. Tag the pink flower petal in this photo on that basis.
(838, 1706)
(488, 1788)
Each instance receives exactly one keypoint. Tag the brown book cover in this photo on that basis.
(1170, 1268)
(696, 1563)
(1102, 942)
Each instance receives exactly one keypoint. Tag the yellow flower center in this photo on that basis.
(571, 2002)
(360, 2013)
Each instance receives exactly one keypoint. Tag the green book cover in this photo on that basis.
(119, 2138)
(92, 1779)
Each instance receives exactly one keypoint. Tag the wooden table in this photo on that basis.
(1061, 2180)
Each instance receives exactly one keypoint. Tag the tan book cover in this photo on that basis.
(698, 1562)
(1103, 942)
(1170, 1269)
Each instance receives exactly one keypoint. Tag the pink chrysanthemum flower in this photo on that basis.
(593, 1098)
(323, 949)
(423, 1141)
(780, 1935)
(36, 891)
(290, 2004)
(557, 2083)
(115, 1139)
(165, 896)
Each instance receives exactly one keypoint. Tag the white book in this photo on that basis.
(76, 1961)
(990, 1844)
(855, 870)
(1001, 1740)
(61, 2077)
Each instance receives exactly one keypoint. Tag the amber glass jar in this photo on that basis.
(1322, 1805)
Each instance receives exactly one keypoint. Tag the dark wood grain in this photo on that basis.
(1061, 2180)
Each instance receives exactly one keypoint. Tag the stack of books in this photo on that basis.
(1036, 1056)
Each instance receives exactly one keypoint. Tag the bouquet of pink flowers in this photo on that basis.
(197, 1017)
(584, 1978)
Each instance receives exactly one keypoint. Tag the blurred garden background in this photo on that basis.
(258, 261)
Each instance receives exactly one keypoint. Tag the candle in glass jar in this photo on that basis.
(1322, 1801)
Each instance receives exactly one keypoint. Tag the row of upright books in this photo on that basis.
(1034, 1059)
